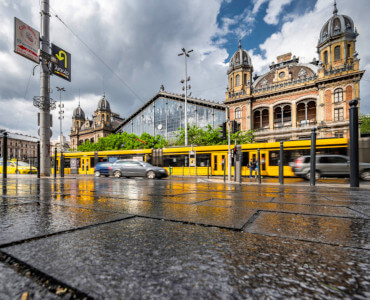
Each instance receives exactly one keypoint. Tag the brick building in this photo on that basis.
(292, 97)
(20, 146)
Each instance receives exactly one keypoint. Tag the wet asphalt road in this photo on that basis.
(108, 238)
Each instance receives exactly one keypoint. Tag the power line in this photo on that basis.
(98, 57)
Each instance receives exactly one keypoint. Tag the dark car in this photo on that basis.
(131, 168)
(102, 169)
(328, 165)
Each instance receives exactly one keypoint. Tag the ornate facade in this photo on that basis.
(286, 102)
(103, 123)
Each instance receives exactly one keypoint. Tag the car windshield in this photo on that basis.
(145, 164)
(23, 164)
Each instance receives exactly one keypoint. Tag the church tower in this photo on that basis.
(78, 118)
(103, 113)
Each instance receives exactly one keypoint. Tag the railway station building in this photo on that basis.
(164, 114)
(292, 97)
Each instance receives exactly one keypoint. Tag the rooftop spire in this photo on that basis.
(240, 44)
(335, 11)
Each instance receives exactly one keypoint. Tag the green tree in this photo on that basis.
(365, 124)
(124, 141)
(210, 136)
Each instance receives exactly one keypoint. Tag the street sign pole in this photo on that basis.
(45, 93)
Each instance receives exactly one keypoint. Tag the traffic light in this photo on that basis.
(234, 126)
(223, 131)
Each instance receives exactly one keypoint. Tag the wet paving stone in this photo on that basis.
(151, 259)
(18, 222)
(332, 230)
(14, 286)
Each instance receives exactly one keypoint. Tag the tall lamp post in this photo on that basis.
(186, 54)
(61, 117)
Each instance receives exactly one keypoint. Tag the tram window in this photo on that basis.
(67, 162)
(215, 163)
(174, 160)
(92, 162)
(289, 155)
(202, 159)
(263, 161)
(245, 159)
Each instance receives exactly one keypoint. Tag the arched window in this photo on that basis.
(237, 80)
(237, 113)
(337, 53)
(325, 57)
(245, 78)
(338, 95)
(231, 83)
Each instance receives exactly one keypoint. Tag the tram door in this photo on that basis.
(263, 159)
(219, 161)
(85, 165)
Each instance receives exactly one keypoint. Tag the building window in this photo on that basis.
(337, 53)
(338, 95)
(326, 57)
(238, 113)
(237, 80)
(245, 78)
(338, 114)
(231, 83)
(348, 50)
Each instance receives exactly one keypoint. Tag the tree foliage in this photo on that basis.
(365, 124)
(124, 141)
(210, 136)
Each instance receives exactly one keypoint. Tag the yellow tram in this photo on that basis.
(203, 160)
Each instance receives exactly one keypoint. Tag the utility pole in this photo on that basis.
(61, 117)
(228, 143)
(186, 54)
(44, 105)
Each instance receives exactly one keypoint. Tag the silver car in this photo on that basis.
(132, 168)
(328, 166)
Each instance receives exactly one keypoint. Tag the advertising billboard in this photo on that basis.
(26, 40)
(63, 67)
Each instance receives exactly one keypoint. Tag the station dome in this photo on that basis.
(78, 113)
(103, 104)
(337, 25)
(240, 58)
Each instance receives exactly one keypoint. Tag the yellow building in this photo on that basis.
(292, 97)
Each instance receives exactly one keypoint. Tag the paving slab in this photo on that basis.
(332, 230)
(321, 210)
(19, 222)
(14, 286)
(152, 259)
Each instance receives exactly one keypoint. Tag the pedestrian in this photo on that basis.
(251, 167)
(256, 170)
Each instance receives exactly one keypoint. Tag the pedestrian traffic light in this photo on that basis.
(223, 131)
(234, 126)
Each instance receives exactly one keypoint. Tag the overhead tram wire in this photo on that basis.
(97, 56)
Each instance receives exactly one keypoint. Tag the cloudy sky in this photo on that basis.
(132, 48)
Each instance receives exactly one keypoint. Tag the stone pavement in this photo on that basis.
(109, 238)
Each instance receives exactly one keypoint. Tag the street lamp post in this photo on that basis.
(61, 112)
(186, 54)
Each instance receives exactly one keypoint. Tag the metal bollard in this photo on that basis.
(207, 168)
(223, 167)
(281, 163)
(313, 158)
(61, 168)
(55, 162)
(5, 155)
(353, 144)
(38, 159)
(259, 165)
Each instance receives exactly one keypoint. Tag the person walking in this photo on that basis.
(251, 166)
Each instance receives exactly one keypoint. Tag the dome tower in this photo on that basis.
(103, 112)
(78, 118)
(336, 45)
(240, 72)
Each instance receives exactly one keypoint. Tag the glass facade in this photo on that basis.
(165, 116)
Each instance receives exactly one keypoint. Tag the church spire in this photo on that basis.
(335, 11)
(240, 44)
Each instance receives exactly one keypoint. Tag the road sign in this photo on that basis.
(26, 41)
(63, 67)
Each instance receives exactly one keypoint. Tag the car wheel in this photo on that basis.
(150, 174)
(365, 175)
(97, 174)
(317, 175)
(117, 174)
